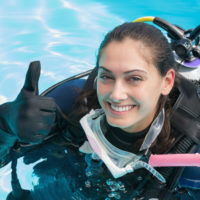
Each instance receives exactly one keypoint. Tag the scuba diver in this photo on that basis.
(133, 106)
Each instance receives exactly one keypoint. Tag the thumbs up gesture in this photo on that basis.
(31, 117)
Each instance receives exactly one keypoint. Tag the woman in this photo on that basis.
(135, 75)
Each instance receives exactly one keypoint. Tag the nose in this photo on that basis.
(119, 92)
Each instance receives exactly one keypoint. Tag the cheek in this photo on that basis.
(100, 88)
(102, 91)
(138, 94)
(151, 100)
(147, 97)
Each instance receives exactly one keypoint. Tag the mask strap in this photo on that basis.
(154, 131)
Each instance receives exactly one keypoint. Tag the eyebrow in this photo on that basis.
(127, 72)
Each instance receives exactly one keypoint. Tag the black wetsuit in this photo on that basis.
(122, 139)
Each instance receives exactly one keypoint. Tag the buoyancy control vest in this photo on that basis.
(185, 119)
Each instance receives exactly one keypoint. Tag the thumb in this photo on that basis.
(32, 77)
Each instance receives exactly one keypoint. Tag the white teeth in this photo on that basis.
(121, 108)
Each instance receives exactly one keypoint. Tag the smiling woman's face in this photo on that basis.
(129, 85)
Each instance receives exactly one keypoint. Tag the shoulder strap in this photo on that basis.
(186, 110)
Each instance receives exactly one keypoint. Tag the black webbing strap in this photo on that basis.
(186, 111)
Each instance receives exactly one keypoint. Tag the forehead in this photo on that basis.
(126, 55)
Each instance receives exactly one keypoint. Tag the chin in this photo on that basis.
(118, 124)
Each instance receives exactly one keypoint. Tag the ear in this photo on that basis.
(168, 82)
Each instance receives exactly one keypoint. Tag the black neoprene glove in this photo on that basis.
(29, 118)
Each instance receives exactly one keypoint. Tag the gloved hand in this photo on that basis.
(30, 117)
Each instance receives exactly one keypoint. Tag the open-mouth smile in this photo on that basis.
(120, 109)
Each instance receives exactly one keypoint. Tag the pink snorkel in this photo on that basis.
(175, 160)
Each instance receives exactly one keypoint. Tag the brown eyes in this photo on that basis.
(135, 79)
(131, 79)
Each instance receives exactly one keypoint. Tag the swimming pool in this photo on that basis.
(64, 36)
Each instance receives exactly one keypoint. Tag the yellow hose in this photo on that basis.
(145, 19)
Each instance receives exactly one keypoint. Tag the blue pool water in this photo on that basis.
(64, 36)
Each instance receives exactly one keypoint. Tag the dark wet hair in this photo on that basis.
(162, 58)
(150, 36)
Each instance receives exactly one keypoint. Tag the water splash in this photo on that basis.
(94, 166)
(116, 188)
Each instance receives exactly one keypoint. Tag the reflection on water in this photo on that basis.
(5, 181)
(21, 172)
(63, 35)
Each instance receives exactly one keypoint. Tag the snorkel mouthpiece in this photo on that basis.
(119, 172)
